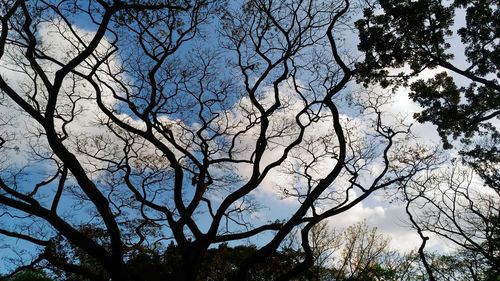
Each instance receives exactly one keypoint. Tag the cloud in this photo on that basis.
(319, 138)
(271, 194)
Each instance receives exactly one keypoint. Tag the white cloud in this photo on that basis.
(387, 217)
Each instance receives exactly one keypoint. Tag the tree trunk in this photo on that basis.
(119, 273)
(191, 262)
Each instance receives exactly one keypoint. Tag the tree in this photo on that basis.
(448, 204)
(357, 253)
(419, 35)
(29, 275)
(463, 265)
(365, 255)
(113, 116)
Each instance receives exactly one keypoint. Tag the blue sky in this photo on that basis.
(390, 218)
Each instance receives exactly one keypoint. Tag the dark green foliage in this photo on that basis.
(408, 32)
(441, 99)
(67, 252)
(462, 102)
(218, 264)
(30, 275)
(479, 34)
(148, 267)
(418, 34)
(221, 263)
(440, 96)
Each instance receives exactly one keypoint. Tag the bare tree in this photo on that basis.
(453, 204)
(115, 115)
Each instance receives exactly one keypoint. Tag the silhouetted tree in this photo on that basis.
(418, 35)
(114, 115)
(400, 39)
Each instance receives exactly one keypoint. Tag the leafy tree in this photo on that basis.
(417, 34)
(29, 275)
(220, 263)
(400, 39)
(365, 255)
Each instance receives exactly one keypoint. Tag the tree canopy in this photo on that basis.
(194, 139)
(462, 101)
(419, 35)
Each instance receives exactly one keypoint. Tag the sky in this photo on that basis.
(389, 218)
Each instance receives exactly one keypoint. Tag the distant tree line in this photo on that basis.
(363, 254)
